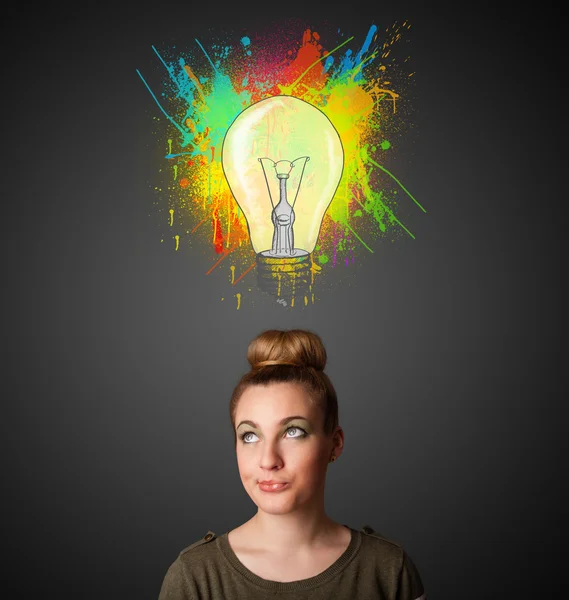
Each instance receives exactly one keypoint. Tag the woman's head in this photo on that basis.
(268, 445)
(268, 354)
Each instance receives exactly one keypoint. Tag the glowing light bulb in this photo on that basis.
(283, 161)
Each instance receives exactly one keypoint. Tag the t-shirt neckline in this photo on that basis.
(302, 584)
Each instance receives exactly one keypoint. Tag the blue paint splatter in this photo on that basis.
(349, 62)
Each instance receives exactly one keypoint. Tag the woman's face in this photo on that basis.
(268, 448)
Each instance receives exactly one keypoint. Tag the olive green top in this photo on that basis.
(372, 567)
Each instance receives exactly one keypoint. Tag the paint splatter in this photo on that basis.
(355, 80)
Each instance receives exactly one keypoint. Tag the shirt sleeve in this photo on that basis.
(410, 584)
(174, 584)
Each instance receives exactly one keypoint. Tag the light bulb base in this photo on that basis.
(286, 277)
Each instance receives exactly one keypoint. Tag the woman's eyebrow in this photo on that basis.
(281, 422)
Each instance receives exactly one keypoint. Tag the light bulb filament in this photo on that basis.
(282, 215)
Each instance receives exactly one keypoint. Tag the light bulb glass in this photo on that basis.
(305, 160)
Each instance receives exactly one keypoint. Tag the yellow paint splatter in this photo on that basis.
(171, 217)
(177, 238)
(238, 296)
(170, 146)
(175, 172)
(232, 273)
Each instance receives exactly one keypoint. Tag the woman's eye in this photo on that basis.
(301, 431)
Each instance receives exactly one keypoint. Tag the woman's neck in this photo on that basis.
(286, 535)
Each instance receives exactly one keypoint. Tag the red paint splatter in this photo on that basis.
(217, 233)
(270, 71)
(309, 52)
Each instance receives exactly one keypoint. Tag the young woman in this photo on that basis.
(284, 415)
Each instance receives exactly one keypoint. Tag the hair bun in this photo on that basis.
(296, 348)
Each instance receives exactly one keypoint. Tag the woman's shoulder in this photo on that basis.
(388, 552)
(206, 539)
(185, 567)
(386, 541)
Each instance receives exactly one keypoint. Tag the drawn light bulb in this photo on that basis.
(283, 160)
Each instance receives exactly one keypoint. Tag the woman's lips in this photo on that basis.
(272, 487)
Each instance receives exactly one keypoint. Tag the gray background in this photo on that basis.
(119, 357)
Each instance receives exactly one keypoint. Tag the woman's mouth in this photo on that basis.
(272, 487)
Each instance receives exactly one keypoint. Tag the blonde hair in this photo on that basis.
(293, 356)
